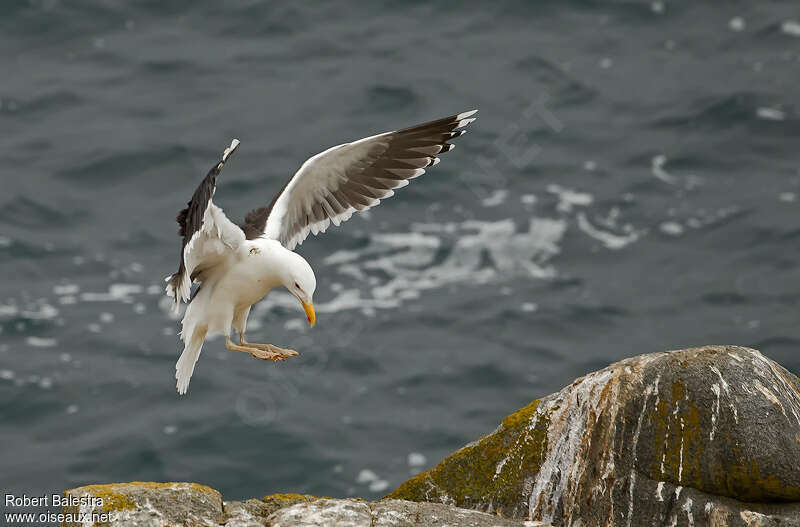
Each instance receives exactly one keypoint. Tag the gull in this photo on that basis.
(237, 265)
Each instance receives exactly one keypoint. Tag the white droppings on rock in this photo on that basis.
(568, 423)
(714, 411)
(635, 442)
(722, 381)
(659, 491)
(687, 508)
(769, 395)
(731, 402)
(680, 464)
(499, 467)
(781, 385)
(755, 519)
(342, 513)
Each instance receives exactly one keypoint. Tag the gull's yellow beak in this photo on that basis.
(309, 308)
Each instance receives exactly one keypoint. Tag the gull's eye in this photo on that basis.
(297, 285)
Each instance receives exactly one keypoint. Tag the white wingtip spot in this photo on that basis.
(228, 151)
(464, 122)
(434, 162)
(466, 114)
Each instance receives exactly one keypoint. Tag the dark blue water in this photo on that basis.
(631, 186)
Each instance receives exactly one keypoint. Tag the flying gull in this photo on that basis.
(236, 266)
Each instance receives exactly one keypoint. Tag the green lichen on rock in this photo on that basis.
(639, 442)
(274, 502)
(140, 502)
(724, 437)
(489, 473)
(112, 500)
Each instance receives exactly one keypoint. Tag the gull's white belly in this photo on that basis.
(238, 282)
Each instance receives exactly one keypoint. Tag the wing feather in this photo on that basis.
(330, 186)
(208, 235)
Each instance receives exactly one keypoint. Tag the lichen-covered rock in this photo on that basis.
(704, 436)
(249, 513)
(140, 504)
(146, 504)
(387, 513)
(274, 502)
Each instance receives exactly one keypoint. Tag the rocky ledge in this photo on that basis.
(703, 436)
(145, 504)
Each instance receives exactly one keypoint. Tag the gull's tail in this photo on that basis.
(193, 343)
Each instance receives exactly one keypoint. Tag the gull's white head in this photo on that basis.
(299, 279)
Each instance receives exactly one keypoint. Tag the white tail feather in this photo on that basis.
(191, 352)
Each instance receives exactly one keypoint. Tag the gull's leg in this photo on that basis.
(271, 348)
(258, 353)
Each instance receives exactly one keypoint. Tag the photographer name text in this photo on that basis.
(53, 500)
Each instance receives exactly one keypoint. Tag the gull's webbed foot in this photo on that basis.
(270, 351)
(261, 351)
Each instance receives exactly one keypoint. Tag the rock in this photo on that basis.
(141, 504)
(387, 513)
(148, 504)
(703, 436)
(250, 513)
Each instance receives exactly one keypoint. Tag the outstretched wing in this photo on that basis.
(351, 177)
(208, 235)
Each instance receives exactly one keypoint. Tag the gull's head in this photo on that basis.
(299, 279)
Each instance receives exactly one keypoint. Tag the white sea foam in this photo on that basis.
(791, 27)
(416, 459)
(366, 476)
(498, 197)
(771, 114)
(66, 289)
(569, 198)
(41, 342)
(610, 240)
